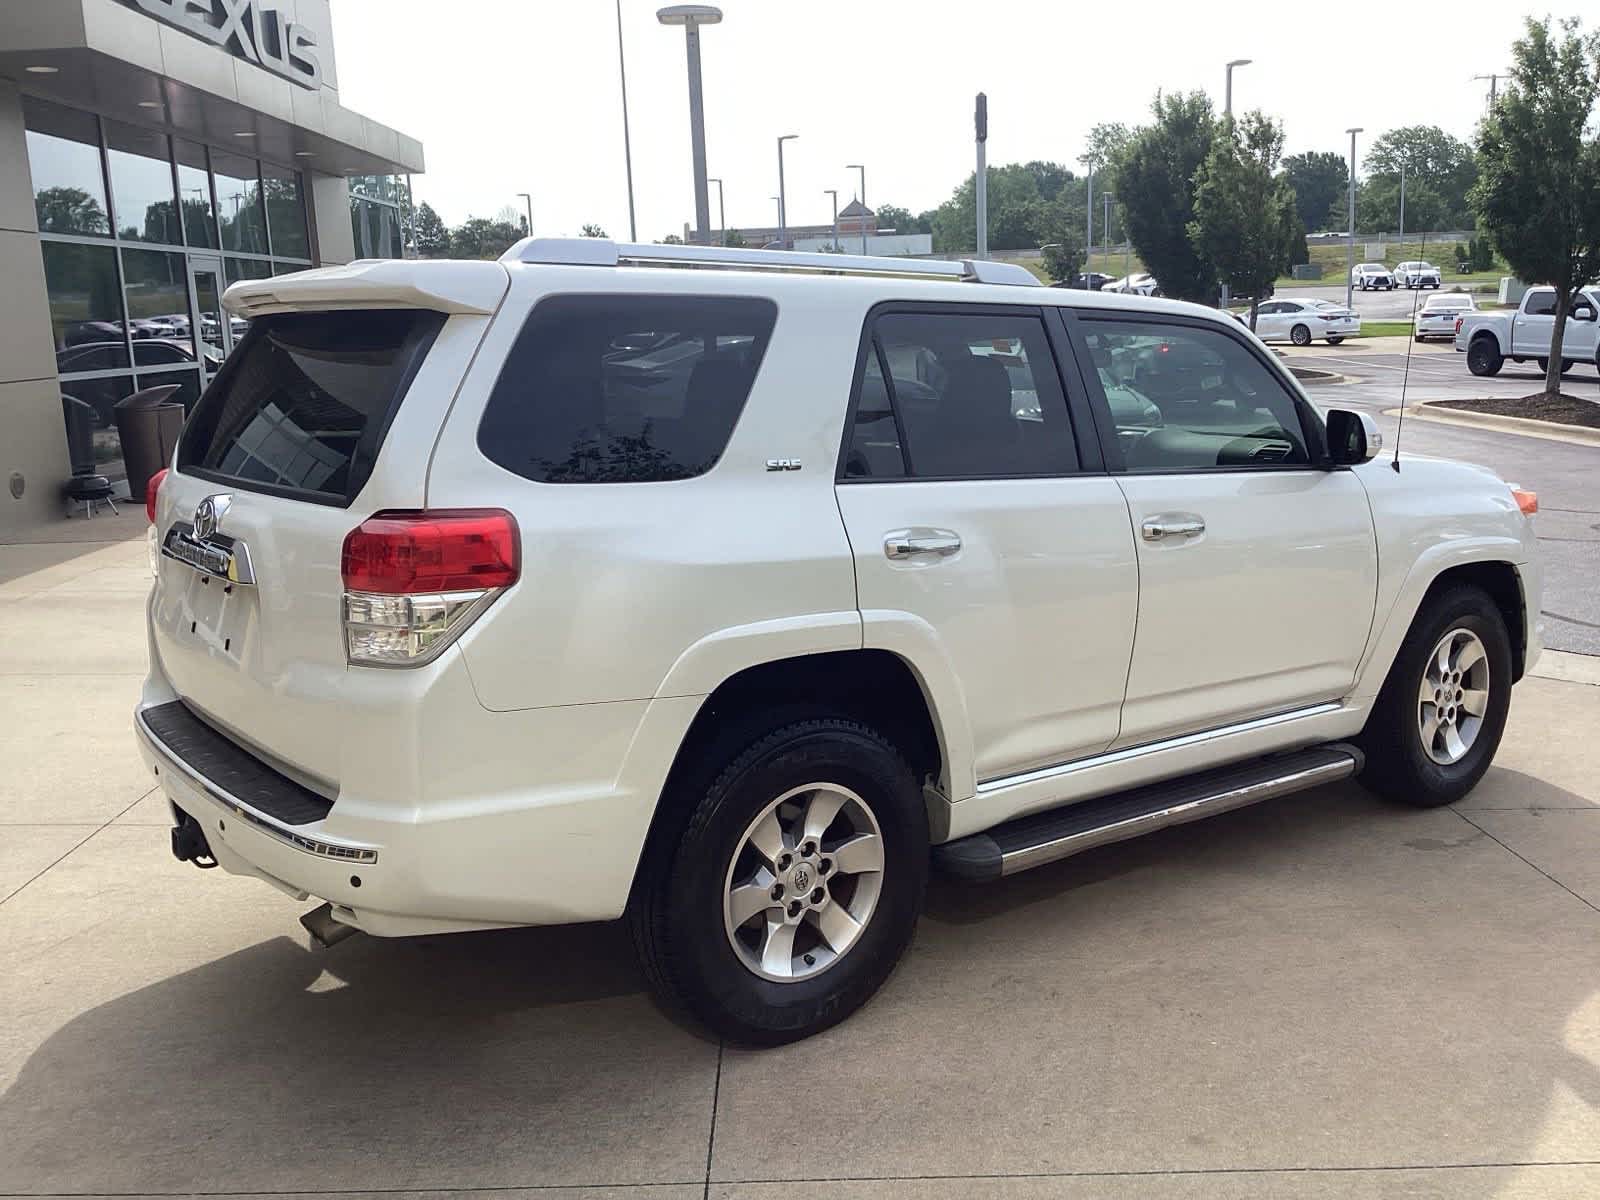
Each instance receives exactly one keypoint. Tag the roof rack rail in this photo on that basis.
(601, 252)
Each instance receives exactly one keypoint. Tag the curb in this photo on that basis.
(1550, 431)
(1567, 667)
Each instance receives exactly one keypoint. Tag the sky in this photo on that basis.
(513, 96)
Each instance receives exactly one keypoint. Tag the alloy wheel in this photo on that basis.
(804, 881)
(1453, 697)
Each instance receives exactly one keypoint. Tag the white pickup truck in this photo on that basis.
(1489, 338)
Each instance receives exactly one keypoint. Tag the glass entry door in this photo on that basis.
(213, 333)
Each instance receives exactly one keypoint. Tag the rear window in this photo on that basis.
(303, 404)
(625, 389)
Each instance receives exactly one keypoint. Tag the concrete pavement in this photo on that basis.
(1322, 996)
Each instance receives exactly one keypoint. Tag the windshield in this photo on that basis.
(1448, 303)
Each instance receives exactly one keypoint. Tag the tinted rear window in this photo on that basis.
(625, 389)
(304, 402)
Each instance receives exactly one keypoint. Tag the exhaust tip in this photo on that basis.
(324, 929)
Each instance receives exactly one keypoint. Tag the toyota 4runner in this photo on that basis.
(725, 590)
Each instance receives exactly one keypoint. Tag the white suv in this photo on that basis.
(1371, 276)
(1417, 275)
(713, 588)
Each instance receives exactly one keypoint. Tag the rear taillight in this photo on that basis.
(1527, 501)
(414, 581)
(152, 490)
(1460, 321)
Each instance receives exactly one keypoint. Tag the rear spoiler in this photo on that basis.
(473, 288)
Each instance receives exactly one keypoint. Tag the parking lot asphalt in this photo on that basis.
(1565, 474)
(1320, 996)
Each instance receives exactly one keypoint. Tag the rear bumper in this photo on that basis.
(526, 818)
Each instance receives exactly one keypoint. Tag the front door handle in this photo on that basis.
(902, 544)
(1186, 525)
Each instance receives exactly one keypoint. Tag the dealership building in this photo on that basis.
(151, 153)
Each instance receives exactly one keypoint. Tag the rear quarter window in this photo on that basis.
(303, 404)
(625, 389)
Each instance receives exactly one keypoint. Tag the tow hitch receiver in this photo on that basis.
(189, 842)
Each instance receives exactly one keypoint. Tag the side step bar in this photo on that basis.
(1060, 833)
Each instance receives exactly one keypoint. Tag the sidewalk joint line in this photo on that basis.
(711, 1141)
(99, 829)
(1581, 899)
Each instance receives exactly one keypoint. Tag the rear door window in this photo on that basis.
(625, 389)
(303, 404)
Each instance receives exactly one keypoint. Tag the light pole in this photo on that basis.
(834, 192)
(1105, 224)
(783, 214)
(1088, 217)
(863, 199)
(1402, 206)
(1227, 91)
(980, 124)
(1350, 252)
(528, 200)
(722, 213)
(691, 17)
(627, 145)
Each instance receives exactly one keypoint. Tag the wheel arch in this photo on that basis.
(875, 686)
(1487, 565)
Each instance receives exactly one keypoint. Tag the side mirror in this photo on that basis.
(1583, 313)
(1353, 437)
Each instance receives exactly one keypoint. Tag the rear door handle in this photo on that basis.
(1166, 525)
(901, 544)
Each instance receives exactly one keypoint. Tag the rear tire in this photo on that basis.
(714, 917)
(1300, 335)
(1336, 339)
(1439, 717)
(1484, 357)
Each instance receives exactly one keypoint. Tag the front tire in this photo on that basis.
(793, 887)
(1442, 710)
(1300, 335)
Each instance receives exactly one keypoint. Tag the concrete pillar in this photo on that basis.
(330, 219)
(33, 439)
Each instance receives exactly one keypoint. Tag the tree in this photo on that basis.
(433, 239)
(735, 238)
(69, 210)
(672, 239)
(1430, 157)
(1378, 205)
(1244, 214)
(480, 237)
(1319, 180)
(1538, 191)
(1029, 204)
(1155, 181)
(1105, 146)
(592, 230)
(1064, 259)
(892, 216)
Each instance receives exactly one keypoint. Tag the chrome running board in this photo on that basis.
(1060, 833)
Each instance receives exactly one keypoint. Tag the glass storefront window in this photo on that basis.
(141, 185)
(194, 190)
(245, 268)
(244, 226)
(157, 285)
(286, 212)
(85, 309)
(69, 187)
(376, 229)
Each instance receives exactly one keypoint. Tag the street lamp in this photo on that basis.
(1227, 92)
(691, 17)
(1350, 252)
(834, 192)
(1105, 225)
(863, 198)
(722, 214)
(783, 215)
(528, 200)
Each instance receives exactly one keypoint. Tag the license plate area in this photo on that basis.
(216, 557)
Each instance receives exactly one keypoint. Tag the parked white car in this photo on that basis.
(1417, 275)
(1137, 284)
(1490, 338)
(1438, 315)
(1369, 276)
(650, 581)
(1303, 321)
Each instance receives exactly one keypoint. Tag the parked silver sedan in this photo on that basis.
(1438, 316)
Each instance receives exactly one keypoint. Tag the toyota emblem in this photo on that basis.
(208, 515)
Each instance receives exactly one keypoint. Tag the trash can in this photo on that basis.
(148, 427)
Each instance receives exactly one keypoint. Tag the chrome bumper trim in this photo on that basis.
(322, 849)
